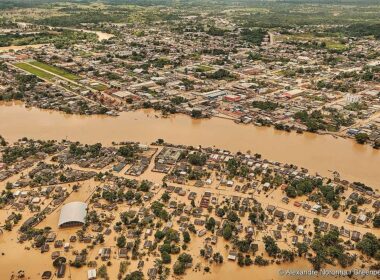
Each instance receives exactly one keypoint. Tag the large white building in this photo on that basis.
(73, 214)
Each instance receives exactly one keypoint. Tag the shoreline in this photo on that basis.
(318, 153)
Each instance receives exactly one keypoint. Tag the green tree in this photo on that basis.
(270, 246)
(369, 245)
(186, 237)
(227, 231)
(376, 221)
(165, 197)
(361, 138)
(121, 241)
(166, 258)
(210, 224)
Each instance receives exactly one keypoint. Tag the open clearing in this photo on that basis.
(55, 70)
(32, 70)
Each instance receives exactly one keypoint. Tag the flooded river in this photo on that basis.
(318, 153)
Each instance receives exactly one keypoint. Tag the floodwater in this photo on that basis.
(318, 153)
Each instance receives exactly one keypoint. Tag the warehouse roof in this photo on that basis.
(73, 212)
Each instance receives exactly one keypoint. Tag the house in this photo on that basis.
(208, 251)
(344, 232)
(290, 216)
(105, 254)
(46, 275)
(300, 229)
(61, 270)
(350, 218)
(51, 237)
(148, 244)
(277, 234)
(295, 240)
(232, 255)
(301, 220)
(214, 239)
(376, 205)
(362, 219)
(316, 208)
(202, 232)
(336, 215)
(123, 253)
(355, 236)
(334, 227)
(279, 214)
(270, 209)
(323, 226)
(152, 273)
(45, 248)
(91, 274)
(254, 247)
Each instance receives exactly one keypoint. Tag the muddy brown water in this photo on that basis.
(318, 153)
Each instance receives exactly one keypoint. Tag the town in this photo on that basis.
(315, 78)
(135, 211)
(159, 139)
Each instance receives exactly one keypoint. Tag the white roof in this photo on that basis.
(91, 274)
(73, 212)
(122, 93)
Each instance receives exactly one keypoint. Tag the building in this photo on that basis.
(73, 214)
(232, 98)
(91, 274)
(292, 93)
(215, 94)
(123, 94)
(352, 98)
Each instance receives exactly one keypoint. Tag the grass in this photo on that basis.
(32, 70)
(331, 45)
(100, 87)
(55, 70)
(204, 68)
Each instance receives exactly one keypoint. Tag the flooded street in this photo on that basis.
(318, 153)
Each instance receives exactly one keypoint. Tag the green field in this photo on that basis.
(332, 42)
(32, 70)
(58, 71)
(332, 45)
(99, 87)
(204, 68)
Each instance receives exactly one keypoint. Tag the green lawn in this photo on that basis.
(204, 68)
(99, 87)
(332, 45)
(32, 70)
(55, 70)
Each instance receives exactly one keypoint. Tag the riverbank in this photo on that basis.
(318, 153)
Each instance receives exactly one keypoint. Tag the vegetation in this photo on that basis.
(370, 246)
(55, 70)
(301, 187)
(327, 248)
(61, 39)
(265, 105)
(32, 70)
(361, 138)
